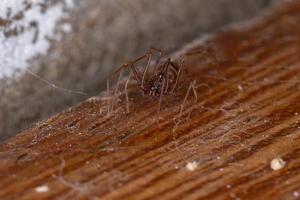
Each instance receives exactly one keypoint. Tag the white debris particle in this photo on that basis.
(296, 113)
(191, 166)
(42, 189)
(277, 163)
(296, 194)
(240, 87)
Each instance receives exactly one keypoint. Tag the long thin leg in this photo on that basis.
(116, 90)
(137, 76)
(168, 80)
(126, 92)
(157, 62)
(167, 66)
(178, 73)
(149, 55)
(194, 91)
(161, 94)
(129, 65)
(191, 87)
(147, 66)
(195, 94)
(108, 97)
(160, 53)
(184, 100)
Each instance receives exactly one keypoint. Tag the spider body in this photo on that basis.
(153, 86)
(162, 80)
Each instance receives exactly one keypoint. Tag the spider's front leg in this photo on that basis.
(136, 74)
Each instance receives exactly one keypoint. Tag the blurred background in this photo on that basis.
(57, 53)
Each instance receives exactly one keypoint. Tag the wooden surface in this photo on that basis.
(247, 114)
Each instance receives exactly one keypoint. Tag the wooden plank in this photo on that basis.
(247, 114)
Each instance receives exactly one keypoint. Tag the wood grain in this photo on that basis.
(248, 113)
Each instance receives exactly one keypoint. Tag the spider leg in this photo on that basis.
(194, 91)
(126, 65)
(191, 87)
(126, 92)
(160, 53)
(108, 96)
(129, 65)
(139, 77)
(195, 94)
(184, 101)
(167, 66)
(161, 94)
(149, 55)
(205, 50)
(157, 61)
(116, 90)
(138, 59)
(179, 69)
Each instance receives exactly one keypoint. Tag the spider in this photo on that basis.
(163, 79)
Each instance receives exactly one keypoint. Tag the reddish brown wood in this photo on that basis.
(248, 113)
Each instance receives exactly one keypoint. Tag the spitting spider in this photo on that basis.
(162, 80)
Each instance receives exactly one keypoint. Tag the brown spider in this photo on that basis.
(163, 79)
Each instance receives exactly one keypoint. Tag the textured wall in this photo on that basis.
(75, 45)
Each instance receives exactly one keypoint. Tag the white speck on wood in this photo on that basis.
(240, 87)
(191, 166)
(42, 189)
(277, 164)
